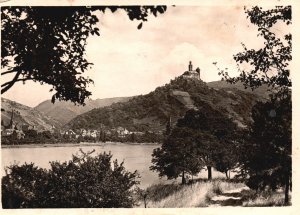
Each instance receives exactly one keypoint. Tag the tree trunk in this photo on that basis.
(145, 202)
(183, 178)
(287, 188)
(291, 182)
(209, 172)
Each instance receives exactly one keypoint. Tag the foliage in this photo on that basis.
(269, 64)
(268, 153)
(215, 135)
(47, 45)
(266, 158)
(152, 112)
(177, 155)
(201, 138)
(141, 113)
(82, 182)
(226, 159)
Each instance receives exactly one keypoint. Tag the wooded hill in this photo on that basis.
(151, 112)
(24, 115)
(64, 111)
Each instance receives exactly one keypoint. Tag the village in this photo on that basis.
(14, 133)
(25, 131)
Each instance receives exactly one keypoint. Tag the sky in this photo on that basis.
(129, 62)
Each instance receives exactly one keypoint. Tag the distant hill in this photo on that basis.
(63, 111)
(151, 112)
(25, 115)
(262, 91)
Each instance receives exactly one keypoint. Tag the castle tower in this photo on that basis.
(190, 66)
(198, 71)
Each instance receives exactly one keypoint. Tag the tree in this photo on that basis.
(83, 182)
(198, 139)
(31, 134)
(214, 133)
(267, 155)
(177, 156)
(226, 158)
(269, 64)
(47, 45)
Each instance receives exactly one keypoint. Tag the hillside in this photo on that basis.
(261, 91)
(63, 111)
(25, 115)
(151, 112)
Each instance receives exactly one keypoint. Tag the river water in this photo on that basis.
(135, 157)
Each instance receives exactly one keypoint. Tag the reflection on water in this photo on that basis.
(135, 157)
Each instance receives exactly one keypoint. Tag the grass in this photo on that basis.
(197, 194)
(203, 193)
(220, 186)
(266, 199)
(192, 195)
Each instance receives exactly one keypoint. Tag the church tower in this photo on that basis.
(11, 119)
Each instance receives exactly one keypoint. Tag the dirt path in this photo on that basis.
(229, 198)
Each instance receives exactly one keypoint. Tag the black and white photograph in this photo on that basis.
(147, 105)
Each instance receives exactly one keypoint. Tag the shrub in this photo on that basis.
(84, 182)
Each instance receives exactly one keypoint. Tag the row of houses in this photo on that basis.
(119, 131)
(20, 131)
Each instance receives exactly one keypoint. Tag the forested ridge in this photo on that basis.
(152, 111)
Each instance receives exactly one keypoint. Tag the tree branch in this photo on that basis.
(8, 85)
(22, 79)
(9, 71)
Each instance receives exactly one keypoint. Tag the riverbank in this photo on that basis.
(50, 145)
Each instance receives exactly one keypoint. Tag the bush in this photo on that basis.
(83, 182)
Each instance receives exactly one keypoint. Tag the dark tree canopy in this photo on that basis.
(267, 152)
(269, 64)
(47, 45)
(202, 138)
(215, 135)
(178, 155)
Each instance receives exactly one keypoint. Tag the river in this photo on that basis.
(135, 157)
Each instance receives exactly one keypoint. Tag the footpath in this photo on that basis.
(229, 198)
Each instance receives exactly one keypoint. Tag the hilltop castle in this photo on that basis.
(195, 74)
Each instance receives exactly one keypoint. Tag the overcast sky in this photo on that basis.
(131, 62)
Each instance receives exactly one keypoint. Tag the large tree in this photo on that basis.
(267, 154)
(200, 139)
(47, 45)
(268, 151)
(177, 156)
(214, 134)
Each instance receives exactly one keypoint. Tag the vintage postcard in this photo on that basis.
(149, 107)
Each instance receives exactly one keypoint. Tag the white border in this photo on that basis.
(295, 74)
